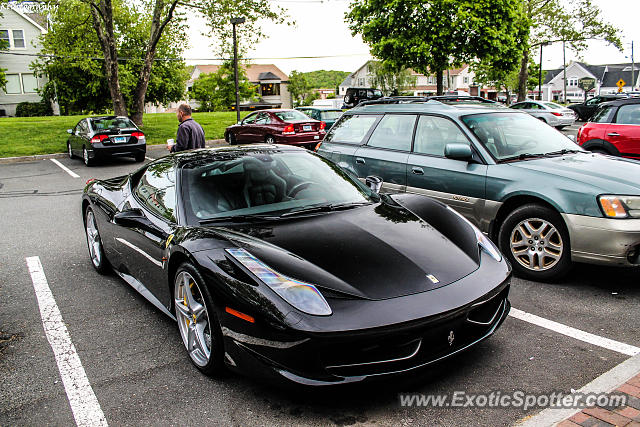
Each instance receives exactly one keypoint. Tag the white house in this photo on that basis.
(606, 78)
(21, 30)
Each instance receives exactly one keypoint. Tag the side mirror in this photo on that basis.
(458, 152)
(135, 218)
(374, 183)
(69, 131)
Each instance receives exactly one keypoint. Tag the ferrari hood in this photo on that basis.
(376, 251)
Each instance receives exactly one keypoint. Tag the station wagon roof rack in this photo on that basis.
(396, 100)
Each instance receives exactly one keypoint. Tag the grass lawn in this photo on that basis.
(24, 136)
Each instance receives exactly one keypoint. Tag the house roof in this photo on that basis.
(37, 20)
(254, 71)
(347, 81)
(608, 75)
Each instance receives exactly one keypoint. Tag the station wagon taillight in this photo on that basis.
(288, 130)
(322, 125)
(138, 135)
(98, 138)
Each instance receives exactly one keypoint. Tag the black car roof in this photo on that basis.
(623, 101)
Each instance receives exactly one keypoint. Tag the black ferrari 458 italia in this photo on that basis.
(275, 261)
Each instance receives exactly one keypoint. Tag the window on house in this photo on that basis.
(29, 83)
(18, 39)
(268, 89)
(572, 81)
(466, 80)
(13, 84)
(4, 38)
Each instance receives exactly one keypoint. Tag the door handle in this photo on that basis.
(417, 171)
(360, 160)
(613, 134)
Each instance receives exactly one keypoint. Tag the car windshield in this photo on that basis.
(508, 135)
(266, 183)
(112, 123)
(330, 115)
(291, 115)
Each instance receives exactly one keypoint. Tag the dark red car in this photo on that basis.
(614, 129)
(276, 127)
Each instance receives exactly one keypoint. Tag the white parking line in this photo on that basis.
(149, 158)
(578, 334)
(84, 404)
(66, 169)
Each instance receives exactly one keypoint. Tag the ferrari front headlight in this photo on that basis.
(483, 241)
(301, 295)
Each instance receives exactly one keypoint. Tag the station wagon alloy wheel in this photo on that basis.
(536, 244)
(193, 318)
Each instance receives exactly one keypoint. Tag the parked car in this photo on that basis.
(585, 109)
(252, 250)
(96, 138)
(614, 129)
(327, 115)
(355, 95)
(549, 112)
(544, 200)
(278, 126)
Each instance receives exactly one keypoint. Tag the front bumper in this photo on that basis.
(604, 240)
(328, 358)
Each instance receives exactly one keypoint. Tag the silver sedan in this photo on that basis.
(549, 112)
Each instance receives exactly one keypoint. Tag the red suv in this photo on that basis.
(276, 127)
(614, 129)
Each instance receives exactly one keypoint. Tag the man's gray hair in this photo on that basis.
(185, 109)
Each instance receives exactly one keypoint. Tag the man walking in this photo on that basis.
(190, 133)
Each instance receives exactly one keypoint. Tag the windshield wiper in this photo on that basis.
(563, 151)
(522, 157)
(324, 208)
(238, 218)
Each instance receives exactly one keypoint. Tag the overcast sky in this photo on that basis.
(321, 31)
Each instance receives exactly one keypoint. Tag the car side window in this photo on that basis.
(434, 133)
(629, 115)
(249, 120)
(593, 101)
(517, 106)
(393, 132)
(603, 115)
(351, 129)
(533, 106)
(263, 119)
(156, 189)
(83, 128)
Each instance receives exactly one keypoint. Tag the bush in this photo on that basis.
(32, 109)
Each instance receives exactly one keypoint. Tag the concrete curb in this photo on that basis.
(605, 383)
(22, 159)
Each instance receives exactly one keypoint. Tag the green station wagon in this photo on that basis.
(545, 201)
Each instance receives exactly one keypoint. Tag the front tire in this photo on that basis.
(94, 243)
(535, 240)
(197, 321)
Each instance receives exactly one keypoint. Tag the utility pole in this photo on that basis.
(234, 22)
(633, 66)
(564, 63)
(540, 71)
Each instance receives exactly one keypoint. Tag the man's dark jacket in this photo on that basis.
(190, 136)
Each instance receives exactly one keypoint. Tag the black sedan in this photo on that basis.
(94, 138)
(275, 261)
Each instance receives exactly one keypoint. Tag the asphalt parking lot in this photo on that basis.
(133, 357)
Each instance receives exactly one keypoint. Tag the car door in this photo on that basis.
(387, 150)
(83, 135)
(142, 251)
(246, 130)
(262, 127)
(344, 138)
(457, 183)
(74, 141)
(624, 133)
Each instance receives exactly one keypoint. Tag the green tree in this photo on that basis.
(573, 22)
(487, 75)
(79, 79)
(216, 91)
(160, 16)
(325, 79)
(299, 87)
(433, 35)
(390, 80)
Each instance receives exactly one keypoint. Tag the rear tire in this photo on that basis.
(85, 157)
(140, 157)
(535, 240)
(70, 151)
(232, 139)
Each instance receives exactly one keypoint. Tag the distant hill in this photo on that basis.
(325, 79)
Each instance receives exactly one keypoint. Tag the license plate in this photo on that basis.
(120, 139)
(316, 137)
(306, 127)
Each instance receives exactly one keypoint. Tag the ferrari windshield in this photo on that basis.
(512, 135)
(266, 183)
